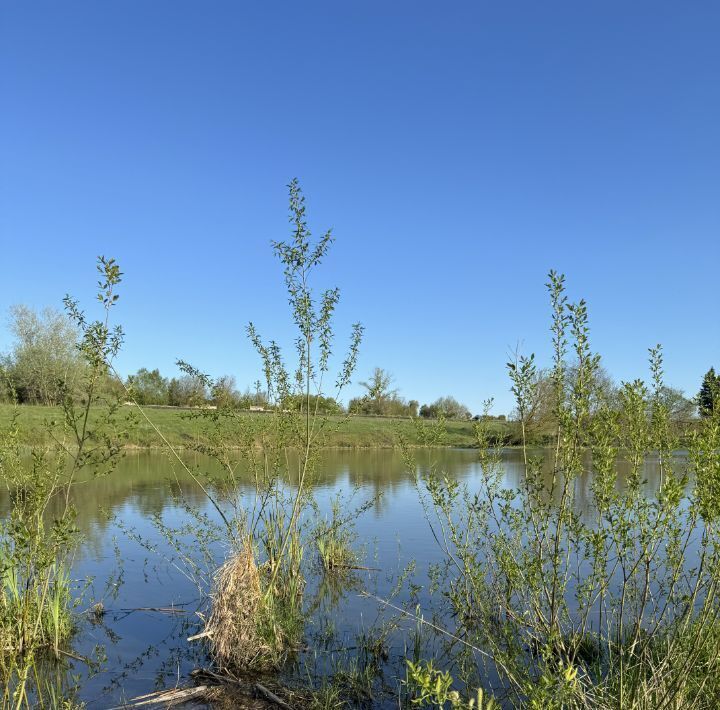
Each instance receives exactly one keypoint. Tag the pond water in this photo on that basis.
(127, 565)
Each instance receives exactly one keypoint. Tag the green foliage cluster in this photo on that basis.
(150, 387)
(267, 531)
(427, 686)
(39, 536)
(709, 395)
(537, 422)
(44, 365)
(34, 585)
(318, 403)
(335, 538)
(445, 407)
(380, 399)
(615, 610)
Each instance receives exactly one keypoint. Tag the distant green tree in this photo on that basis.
(709, 394)
(447, 407)
(317, 403)
(393, 406)
(194, 391)
(187, 391)
(412, 408)
(6, 389)
(44, 363)
(149, 386)
(260, 397)
(679, 407)
(174, 393)
(381, 399)
(224, 392)
(540, 401)
(379, 392)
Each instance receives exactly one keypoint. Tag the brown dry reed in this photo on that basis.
(233, 626)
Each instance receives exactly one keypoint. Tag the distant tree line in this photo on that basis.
(149, 387)
(381, 399)
(44, 363)
(540, 419)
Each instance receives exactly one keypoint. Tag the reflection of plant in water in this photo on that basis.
(39, 537)
(190, 548)
(344, 670)
(332, 589)
(615, 609)
(347, 682)
(167, 654)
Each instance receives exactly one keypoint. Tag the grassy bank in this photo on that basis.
(182, 429)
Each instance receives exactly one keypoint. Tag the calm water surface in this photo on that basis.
(128, 565)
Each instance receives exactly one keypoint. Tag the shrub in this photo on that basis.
(615, 605)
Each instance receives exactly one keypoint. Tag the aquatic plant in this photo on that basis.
(39, 536)
(427, 686)
(612, 608)
(335, 538)
(233, 622)
(266, 533)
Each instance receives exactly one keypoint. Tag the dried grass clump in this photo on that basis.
(236, 609)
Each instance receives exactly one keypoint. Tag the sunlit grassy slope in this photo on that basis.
(181, 429)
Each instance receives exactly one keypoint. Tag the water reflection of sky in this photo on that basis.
(147, 650)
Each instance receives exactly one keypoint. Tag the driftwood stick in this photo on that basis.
(75, 656)
(222, 679)
(201, 635)
(260, 690)
(268, 695)
(165, 696)
(163, 609)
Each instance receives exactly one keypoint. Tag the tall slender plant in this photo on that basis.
(256, 614)
(39, 536)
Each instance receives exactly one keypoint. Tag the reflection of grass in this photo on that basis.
(351, 684)
(181, 429)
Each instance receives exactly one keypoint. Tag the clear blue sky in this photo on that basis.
(459, 151)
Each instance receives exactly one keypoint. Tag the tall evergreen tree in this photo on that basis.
(709, 395)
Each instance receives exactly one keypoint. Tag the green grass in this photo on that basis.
(182, 430)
